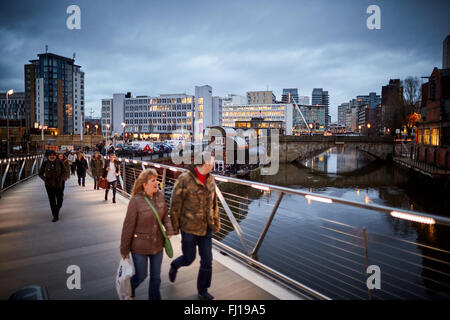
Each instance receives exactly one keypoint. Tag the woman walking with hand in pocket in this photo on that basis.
(141, 233)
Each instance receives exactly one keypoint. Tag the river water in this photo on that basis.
(329, 246)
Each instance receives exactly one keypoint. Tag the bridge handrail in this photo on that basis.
(250, 238)
(17, 169)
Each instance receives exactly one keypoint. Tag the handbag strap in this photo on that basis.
(157, 217)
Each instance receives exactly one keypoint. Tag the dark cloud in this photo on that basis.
(153, 47)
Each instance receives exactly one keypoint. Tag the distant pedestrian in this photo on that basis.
(62, 157)
(141, 234)
(111, 171)
(96, 168)
(195, 211)
(82, 166)
(72, 157)
(52, 172)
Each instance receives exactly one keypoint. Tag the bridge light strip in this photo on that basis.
(144, 163)
(134, 161)
(412, 217)
(221, 179)
(260, 187)
(173, 169)
(157, 166)
(319, 199)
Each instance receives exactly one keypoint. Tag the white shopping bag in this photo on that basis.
(124, 273)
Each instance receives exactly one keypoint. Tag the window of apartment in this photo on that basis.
(419, 136)
(435, 137)
(426, 136)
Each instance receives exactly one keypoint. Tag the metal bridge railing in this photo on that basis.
(18, 169)
(297, 239)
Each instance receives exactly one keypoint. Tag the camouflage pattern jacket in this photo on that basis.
(193, 206)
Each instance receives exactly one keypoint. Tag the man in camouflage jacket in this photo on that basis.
(194, 210)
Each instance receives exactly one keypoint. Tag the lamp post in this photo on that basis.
(10, 92)
(107, 129)
(96, 129)
(123, 131)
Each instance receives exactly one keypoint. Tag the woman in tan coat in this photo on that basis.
(141, 234)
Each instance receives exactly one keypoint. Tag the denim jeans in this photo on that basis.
(188, 246)
(81, 179)
(112, 185)
(141, 266)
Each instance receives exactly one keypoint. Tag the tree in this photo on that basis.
(411, 102)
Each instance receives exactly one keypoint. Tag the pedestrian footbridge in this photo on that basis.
(275, 242)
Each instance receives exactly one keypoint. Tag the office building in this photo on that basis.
(54, 94)
(313, 115)
(446, 53)
(260, 97)
(267, 112)
(289, 94)
(16, 110)
(159, 117)
(372, 100)
(342, 109)
(321, 98)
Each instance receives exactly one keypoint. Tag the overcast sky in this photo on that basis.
(159, 47)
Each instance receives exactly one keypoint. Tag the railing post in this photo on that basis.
(230, 215)
(123, 180)
(5, 174)
(266, 227)
(367, 258)
(34, 165)
(21, 169)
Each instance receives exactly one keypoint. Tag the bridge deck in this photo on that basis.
(35, 251)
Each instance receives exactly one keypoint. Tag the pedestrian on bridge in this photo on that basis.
(194, 210)
(52, 172)
(82, 166)
(111, 171)
(62, 157)
(96, 168)
(72, 157)
(141, 233)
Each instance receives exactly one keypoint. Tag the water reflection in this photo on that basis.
(402, 249)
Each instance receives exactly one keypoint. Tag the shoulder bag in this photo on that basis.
(167, 244)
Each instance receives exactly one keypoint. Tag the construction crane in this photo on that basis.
(301, 113)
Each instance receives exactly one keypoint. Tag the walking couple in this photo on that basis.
(193, 210)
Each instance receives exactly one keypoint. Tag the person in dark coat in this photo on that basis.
(62, 157)
(82, 166)
(52, 172)
(96, 168)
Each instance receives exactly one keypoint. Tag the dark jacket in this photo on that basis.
(66, 164)
(97, 166)
(52, 172)
(141, 233)
(193, 206)
(116, 164)
(81, 167)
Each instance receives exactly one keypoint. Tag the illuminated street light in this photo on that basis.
(368, 125)
(123, 124)
(9, 93)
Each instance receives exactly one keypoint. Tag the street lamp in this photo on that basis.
(9, 93)
(107, 129)
(123, 131)
(96, 129)
(87, 127)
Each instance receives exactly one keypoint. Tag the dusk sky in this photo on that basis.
(160, 47)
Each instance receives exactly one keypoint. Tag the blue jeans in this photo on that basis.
(141, 266)
(189, 242)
